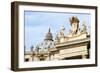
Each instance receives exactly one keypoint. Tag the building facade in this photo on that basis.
(75, 45)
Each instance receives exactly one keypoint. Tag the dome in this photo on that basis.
(47, 44)
(49, 36)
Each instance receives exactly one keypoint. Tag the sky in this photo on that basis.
(37, 24)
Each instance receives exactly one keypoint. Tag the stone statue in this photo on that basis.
(61, 32)
(84, 27)
(74, 21)
(60, 37)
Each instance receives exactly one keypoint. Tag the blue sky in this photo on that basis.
(37, 24)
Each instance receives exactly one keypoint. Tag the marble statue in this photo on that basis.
(74, 21)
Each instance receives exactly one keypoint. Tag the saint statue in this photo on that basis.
(74, 22)
(60, 37)
(61, 32)
(84, 27)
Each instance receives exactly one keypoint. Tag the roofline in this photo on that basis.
(73, 42)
